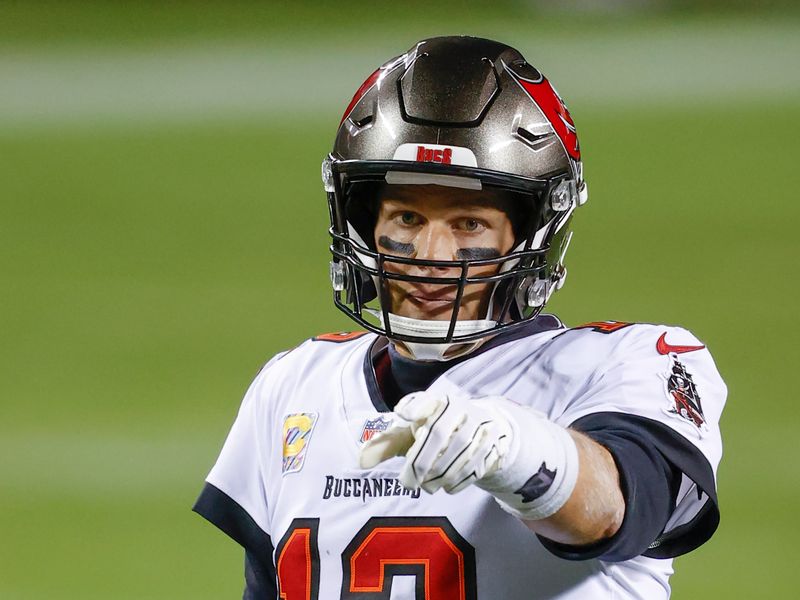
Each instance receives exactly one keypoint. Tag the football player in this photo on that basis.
(466, 445)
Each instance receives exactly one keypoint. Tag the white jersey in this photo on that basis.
(288, 479)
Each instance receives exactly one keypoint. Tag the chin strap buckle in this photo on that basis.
(338, 276)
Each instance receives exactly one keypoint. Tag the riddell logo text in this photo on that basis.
(439, 155)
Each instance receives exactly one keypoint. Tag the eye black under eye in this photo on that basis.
(477, 253)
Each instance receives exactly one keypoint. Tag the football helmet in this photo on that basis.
(461, 112)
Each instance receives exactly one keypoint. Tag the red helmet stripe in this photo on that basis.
(365, 87)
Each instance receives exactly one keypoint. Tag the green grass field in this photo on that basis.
(155, 251)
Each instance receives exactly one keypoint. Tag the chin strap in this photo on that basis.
(437, 329)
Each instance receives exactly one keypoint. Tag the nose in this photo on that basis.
(436, 242)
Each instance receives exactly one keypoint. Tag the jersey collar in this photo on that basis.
(544, 322)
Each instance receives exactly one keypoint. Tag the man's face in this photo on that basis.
(440, 223)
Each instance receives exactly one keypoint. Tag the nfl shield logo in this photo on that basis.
(373, 426)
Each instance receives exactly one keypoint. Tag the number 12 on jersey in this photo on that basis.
(429, 548)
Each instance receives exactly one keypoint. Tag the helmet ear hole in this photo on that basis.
(361, 209)
(366, 287)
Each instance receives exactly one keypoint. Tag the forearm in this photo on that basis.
(573, 489)
(596, 507)
(563, 484)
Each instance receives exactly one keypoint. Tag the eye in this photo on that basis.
(470, 225)
(409, 218)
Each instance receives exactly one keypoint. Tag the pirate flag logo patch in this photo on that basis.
(685, 401)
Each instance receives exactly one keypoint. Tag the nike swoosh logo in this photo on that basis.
(662, 347)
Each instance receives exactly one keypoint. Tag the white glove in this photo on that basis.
(527, 462)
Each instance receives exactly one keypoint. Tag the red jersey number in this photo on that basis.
(429, 548)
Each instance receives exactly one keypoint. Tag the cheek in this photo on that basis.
(505, 238)
(499, 235)
(380, 229)
(393, 232)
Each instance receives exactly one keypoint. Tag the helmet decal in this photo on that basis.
(552, 106)
(439, 155)
(436, 153)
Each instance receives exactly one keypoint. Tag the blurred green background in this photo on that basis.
(163, 232)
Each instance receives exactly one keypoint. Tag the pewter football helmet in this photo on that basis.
(460, 112)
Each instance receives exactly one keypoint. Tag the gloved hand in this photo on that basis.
(527, 462)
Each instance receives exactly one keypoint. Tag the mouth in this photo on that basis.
(434, 305)
(431, 302)
(425, 301)
(442, 297)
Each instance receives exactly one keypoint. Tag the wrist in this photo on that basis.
(539, 469)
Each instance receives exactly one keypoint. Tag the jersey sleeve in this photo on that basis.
(660, 393)
(234, 495)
